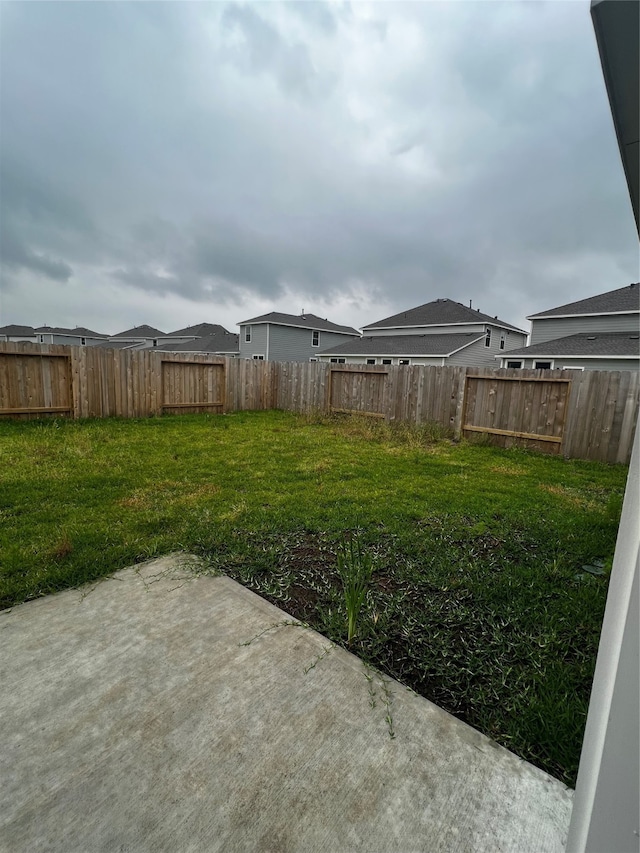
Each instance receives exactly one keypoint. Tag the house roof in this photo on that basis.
(12, 329)
(406, 345)
(141, 332)
(610, 344)
(621, 301)
(79, 331)
(301, 321)
(116, 345)
(440, 312)
(202, 330)
(226, 342)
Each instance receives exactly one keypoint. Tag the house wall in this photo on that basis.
(429, 330)
(34, 339)
(289, 344)
(563, 362)
(559, 327)
(362, 359)
(258, 344)
(478, 354)
(68, 340)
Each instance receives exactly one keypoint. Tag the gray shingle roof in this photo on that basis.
(202, 330)
(12, 329)
(401, 345)
(623, 299)
(116, 345)
(304, 321)
(608, 344)
(440, 312)
(228, 342)
(141, 332)
(79, 331)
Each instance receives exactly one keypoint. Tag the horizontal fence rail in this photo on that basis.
(588, 414)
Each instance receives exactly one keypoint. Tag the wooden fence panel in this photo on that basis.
(581, 414)
(35, 382)
(511, 409)
(189, 386)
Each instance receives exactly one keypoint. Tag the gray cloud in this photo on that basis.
(219, 154)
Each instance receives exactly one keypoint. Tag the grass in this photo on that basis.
(477, 599)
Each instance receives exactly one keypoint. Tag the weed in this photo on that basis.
(355, 567)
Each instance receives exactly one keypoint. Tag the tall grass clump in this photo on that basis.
(355, 567)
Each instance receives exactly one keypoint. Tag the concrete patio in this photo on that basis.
(139, 714)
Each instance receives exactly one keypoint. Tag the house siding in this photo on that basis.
(67, 340)
(561, 362)
(258, 343)
(428, 330)
(560, 327)
(478, 355)
(362, 359)
(290, 344)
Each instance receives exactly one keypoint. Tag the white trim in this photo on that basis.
(506, 366)
(258, 357)
(536, 360)
(315, 332)
(534, 317)
(572, 367)
(567, 355)
(268, 342)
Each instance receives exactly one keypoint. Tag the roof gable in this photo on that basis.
(141, 332)
(201, 330)
(13, 329)
(440, 312)
(624, 299)
(301, 321)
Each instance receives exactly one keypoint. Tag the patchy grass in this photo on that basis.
(477, 600)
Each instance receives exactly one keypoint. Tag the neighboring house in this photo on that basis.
(78, 337)
(437, 333)
(597, 333)
(287, 337)
(18, 333)
(190, 333)
(140, 337)
(222, 343)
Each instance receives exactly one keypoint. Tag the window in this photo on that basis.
(403, 361)
(258, 358)
(386, 361)
(542, 365)
(315, 338)
(514, 364)
(371, 361)
(487, 340)
(155, 342)
(313, 359)
(84, 341)
(41, 339)
(572, 367)
(502, 340)
(337, 361)
(247, 335)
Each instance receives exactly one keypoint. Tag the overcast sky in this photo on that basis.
(176, 163)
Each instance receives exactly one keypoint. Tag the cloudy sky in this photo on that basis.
(174, 163)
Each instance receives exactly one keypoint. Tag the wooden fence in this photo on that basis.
(579, 414)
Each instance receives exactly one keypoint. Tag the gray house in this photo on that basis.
(437, 333)
(287, 337)
(13, 332)
(220, 343)
(597, 333)
(78, 337)
(139, 337)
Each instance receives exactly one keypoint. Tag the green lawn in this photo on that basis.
(478, 600)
